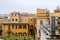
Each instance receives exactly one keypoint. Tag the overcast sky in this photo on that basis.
(7, 6)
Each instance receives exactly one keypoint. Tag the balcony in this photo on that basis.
(43, 14)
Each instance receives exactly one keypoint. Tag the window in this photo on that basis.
(41, 22)
(15, 14)
(16, 26)
(12, 19)
(9, 27)
(24, 34)
(31, 27)
(12, 26)
(46, 22)
(31, 19)
(24, 26)
(20, 34)
(20, 26)
(16, 19)
(39, 33)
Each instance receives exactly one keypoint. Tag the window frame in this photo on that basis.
(20, 26)
(8, 27)
(12, 19)
(24, 26)
(12, 26)
(41, 22)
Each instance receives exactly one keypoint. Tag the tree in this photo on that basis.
(20, 38)
(30, 38)
(47, 11)
(57, 9)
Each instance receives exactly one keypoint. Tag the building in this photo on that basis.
(3, 17)
(44, 19)
(25, 24)
(19, 24)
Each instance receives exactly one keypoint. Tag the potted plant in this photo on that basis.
(58, 29)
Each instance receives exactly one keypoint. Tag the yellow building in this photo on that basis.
(14, 25)
(2, 18)
(15, 28)
(0, 26)
(18, 24)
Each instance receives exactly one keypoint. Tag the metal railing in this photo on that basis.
(45, 30)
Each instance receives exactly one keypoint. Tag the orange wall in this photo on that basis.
(31, 21)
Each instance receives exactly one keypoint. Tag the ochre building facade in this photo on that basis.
(25, 24)
(18, 24)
